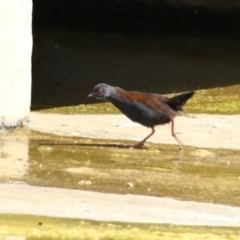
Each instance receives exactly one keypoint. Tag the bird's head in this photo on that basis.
(102, 91)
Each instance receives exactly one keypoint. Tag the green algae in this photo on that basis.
(221, 100)
(37, 227)
(207, 175)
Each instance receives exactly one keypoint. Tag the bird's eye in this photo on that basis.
(99, 90)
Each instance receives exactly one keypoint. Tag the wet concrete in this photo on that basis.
(13, 156)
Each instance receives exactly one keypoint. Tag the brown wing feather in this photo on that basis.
(156, 102)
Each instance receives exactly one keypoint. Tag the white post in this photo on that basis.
(15, 61)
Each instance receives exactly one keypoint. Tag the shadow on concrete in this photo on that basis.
(155, 46)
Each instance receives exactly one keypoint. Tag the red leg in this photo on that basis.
(141, 143)
(174, 134)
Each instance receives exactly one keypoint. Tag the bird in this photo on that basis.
(148, 109)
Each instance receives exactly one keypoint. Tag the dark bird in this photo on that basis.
(148, 109)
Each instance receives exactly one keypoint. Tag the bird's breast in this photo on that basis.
(138, 112)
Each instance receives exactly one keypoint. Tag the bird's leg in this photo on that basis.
(174, 134)
(138, 145)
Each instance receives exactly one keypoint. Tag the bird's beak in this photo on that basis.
(90, 95)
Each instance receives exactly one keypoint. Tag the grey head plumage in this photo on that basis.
(102, 91)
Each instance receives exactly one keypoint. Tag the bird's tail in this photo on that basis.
(177, 102)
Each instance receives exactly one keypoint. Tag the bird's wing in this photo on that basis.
(157, 103)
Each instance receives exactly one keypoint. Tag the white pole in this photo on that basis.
(15, 61)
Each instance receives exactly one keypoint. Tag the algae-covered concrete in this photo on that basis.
(15, 60)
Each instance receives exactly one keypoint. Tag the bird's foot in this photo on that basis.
(138, 145)
(181, 146)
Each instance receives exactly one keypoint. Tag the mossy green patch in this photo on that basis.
(37, 227)
(222, 100)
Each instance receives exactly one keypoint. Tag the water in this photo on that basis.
(208, 175)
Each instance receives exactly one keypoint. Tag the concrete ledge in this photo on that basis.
(56, 202)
